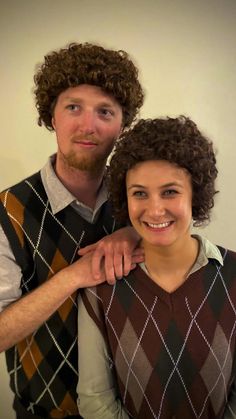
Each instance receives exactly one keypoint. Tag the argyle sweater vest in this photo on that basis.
(173, 354)
(43, 367)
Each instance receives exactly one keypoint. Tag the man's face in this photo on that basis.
(87, 122)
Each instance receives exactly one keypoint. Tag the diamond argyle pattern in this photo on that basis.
(173, 353)
(43, 367)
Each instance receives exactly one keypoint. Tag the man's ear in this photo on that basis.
(53, 122)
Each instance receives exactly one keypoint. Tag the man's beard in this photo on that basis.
(92, 164)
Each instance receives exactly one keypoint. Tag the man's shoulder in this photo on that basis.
(23, 193)
(35, 177)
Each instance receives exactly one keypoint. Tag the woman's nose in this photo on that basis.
(156, 207)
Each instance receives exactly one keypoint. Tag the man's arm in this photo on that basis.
(10, 289)
(97, 388)
(119, 251)
(22, 317)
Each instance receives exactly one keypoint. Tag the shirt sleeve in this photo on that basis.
(98, 395)
(10, 273)
(230, 410)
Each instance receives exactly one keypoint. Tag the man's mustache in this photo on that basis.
(85, 138)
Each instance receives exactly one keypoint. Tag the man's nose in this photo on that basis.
(87, 122)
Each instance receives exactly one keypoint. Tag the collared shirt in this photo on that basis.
(97, 389)
(59, 197)
(207, 250)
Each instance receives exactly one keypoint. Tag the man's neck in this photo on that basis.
(82, 184)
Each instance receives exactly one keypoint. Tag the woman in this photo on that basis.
(161, 342)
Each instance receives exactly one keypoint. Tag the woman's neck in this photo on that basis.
(169, 266)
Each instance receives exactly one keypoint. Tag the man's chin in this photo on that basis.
(86, 165)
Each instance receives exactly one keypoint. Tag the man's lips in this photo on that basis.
(85, 143)
(85, 139)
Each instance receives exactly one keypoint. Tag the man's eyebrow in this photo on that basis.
(106, 104)
(79, 100)
(72, 99)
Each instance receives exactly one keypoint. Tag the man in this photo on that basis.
(87, 95)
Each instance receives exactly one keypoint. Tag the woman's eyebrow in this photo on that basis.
(136, 185)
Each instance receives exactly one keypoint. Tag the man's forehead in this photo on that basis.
(82, 92)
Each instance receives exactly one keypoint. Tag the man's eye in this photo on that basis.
(72, 107)
(105, 112)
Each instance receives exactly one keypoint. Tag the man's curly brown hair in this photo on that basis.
(112, 71)
(176, 140)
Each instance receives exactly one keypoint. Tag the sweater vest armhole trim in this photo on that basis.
(12, 238)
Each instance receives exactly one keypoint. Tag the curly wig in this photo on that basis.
(112, 71)
(176, 140)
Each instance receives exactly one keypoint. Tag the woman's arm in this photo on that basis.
(230, 410)
(97, 388)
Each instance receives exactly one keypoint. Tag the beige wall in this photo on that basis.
(187, 56)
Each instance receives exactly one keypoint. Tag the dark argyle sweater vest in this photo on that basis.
(173, 354)
(43, 367)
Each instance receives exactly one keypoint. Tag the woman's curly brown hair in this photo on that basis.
(77, 64)
(176, 140)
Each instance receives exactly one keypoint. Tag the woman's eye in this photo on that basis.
(139, 194)
(170, 192)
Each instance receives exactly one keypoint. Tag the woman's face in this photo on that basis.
(159, 197)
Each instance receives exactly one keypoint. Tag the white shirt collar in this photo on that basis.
(59, 197)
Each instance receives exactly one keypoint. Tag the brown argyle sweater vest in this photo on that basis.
(173, 354)
(43, 368)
